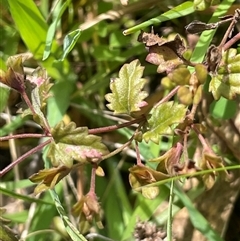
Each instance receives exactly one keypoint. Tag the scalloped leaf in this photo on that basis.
(163, 116)
(126, 96)
(226, 82)
(73, 143)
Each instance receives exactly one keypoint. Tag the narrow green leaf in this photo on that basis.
(11, 185)
(206, 37)
(33, 30)
(69, 42)
(13, 194)
(126, 96)
(163, 116)
(170, 219)
(4, 93)
(71, 230)
(18, 217)
(30, 23)
(223, 108)
(201, 5)
(181, 10)
(60, 100)
(52, 29)
(15, 123)
(198, 221)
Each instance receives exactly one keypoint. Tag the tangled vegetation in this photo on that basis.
(119, 120)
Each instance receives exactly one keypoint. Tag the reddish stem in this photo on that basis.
(202, 140)
(231, 42)
(115, 127)
(28, 102)
(230, 28)
(21, 136)
(139, 161)
(93, 179)
(169, 95)
(23, 157)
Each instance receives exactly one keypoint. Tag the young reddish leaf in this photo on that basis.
(141, 175)
(37, 89)
(164, 57)
(14, 77)
(169, 160)
(71, 143)
(226, 82)
(48, 178)
(126, 96)
(162, 117)
(166, 54)
(211, 161)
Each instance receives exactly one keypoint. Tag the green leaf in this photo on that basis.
(60, 100)
(26, 198)
(69, 42)
(4, 93)
(74, 143)
(37, 88)
(181, 10)
(30, 23)
(7, 234)
(223, 108)
(52, 30)
(104, 53)
(71, 230)
(197, 219)
(200, 5)
(126, 96)
(163, 116)
(226, 82)
(15, 123)
(206, 37)
(33, 30)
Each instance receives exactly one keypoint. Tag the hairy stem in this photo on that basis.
(115, 127)
(21, 136)
(23, 157)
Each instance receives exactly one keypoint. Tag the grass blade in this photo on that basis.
(177, 12)
(197, 219)
(71, 230)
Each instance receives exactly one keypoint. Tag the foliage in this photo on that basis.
(62, 70)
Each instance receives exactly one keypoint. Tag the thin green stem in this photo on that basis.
(169, 220)
(199, 173)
